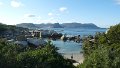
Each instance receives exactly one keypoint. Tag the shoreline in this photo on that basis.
(78, 57)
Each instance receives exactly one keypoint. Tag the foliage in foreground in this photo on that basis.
(15, 56)
(104, 52)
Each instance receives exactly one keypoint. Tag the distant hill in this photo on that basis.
(11, 31)
(79, 25)
(57, 25)
(26, 25)
(49, 25)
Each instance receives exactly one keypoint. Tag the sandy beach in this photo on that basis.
(78, 57)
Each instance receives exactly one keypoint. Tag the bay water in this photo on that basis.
(71, 46)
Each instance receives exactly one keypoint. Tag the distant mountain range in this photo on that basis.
(57, 25)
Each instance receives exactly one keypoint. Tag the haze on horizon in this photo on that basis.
(103, 13)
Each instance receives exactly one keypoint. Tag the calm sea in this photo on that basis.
(70, 46)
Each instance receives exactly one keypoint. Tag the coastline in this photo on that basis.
(78, 57)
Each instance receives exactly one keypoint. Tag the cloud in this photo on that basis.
(50, 14)
(57, 13)
(29, 15)
(16, 4)
(62, 9)
(118, 2)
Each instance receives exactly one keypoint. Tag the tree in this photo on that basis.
(104, 52)
(15, 56)
(114, 34)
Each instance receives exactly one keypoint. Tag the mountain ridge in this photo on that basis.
(57, 25)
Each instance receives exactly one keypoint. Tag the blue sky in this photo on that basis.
(103, 13)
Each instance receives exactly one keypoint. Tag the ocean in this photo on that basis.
(71, 46)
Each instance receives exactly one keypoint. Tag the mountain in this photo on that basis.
(31, 25)
(57, 25)
(26, 25)
(79, 25)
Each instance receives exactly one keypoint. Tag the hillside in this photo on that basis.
(11, 31)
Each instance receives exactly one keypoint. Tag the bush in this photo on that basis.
(104, 52)
(114, 34)
(15, 56)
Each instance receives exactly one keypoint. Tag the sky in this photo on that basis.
(103, 13)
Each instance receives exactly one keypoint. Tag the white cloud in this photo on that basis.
(16, 4)
(62, 9)
(50, 14)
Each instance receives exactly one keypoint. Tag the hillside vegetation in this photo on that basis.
(12, 28)
(15, 56)
(104, 51)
